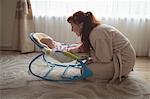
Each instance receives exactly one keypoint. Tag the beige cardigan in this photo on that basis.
(111, 45)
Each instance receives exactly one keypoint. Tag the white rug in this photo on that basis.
(16, 83)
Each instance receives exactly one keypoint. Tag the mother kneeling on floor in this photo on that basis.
(112, 54)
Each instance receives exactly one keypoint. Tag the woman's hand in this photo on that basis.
(74, 50)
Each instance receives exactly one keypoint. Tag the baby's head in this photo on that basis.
(49, 42)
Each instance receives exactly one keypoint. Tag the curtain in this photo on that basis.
(23, 25)
(131, 17)
(136, 30)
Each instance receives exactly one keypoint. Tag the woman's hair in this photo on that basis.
(89, 22)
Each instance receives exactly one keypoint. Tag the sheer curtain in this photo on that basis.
(23, 25)
(131, 17)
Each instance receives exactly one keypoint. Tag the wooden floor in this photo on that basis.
(143, 67)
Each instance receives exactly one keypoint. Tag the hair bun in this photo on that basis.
(88, 13)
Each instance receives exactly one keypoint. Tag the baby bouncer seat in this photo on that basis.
(57, 64)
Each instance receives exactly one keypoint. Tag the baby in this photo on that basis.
(57, 46)
(54, 45)
(49, 42)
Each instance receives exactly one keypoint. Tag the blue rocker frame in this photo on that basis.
(86, 72)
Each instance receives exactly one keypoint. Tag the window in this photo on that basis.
(101, 8)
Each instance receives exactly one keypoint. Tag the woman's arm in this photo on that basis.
(77, 49)
(74, 49)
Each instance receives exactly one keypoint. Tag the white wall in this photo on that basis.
(8, 14)
(0, 22)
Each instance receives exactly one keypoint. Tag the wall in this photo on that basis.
(7, 20)
(0, 22)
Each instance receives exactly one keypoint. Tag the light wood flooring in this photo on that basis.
(143, 67)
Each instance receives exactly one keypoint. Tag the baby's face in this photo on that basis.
(49, 42)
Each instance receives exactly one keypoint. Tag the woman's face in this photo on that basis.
(76, 28)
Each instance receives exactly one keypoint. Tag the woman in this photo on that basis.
(112, 53)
